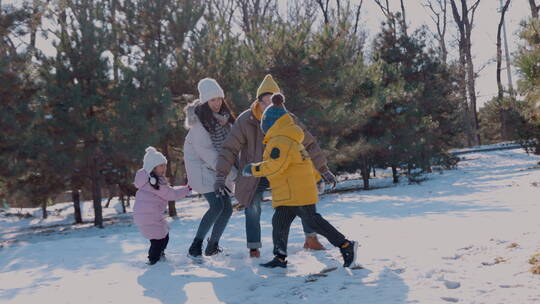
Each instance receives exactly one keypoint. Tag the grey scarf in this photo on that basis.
(220, 131)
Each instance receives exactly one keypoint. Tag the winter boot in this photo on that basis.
(349, 252)
(312, 242)
(212, 249)
(254, 253)
(195, 250)
(276, 262)
(151, 262)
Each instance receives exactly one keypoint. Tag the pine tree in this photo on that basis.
(77, 97)
(157, 31)
(416, 113)
(24, 171)
(528, 61)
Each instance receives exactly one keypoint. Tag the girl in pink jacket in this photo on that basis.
(151, 202)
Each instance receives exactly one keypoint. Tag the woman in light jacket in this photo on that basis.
(209, 120)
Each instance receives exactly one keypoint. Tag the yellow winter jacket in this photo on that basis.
(287, 165)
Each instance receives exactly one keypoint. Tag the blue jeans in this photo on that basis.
(253, 223)
(218, 216)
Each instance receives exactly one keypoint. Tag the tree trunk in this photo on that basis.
(463, 93)
(395, 175)
(34, 24)
(324, 10)
(364, 171)
(172, 204)
(96, 196)
(44, 209)
(465, 24)
(374, 174)
(77, 206)
(471, 88)
(403, 18)
(500, 89)
(534, 8)
(122, 200)
(115, 49)
(111, 196)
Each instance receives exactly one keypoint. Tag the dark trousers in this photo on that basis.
(281, 223)
(156, 248)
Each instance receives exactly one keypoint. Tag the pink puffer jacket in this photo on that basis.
(150, 205)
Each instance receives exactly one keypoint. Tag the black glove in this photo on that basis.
(220, 188)
(330, 178)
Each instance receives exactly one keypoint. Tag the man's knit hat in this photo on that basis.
(268, 86)
(273, 112)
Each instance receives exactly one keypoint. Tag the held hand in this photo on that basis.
(223, 191)
(247, 170)
(220, 188)
(330, 178)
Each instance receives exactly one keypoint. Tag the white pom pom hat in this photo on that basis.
(152, 159)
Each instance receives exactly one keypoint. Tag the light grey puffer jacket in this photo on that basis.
(200, 156)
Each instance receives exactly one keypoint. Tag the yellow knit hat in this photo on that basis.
(268, 85)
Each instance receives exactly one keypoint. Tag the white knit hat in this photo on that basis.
(208, 89)
(152, 159)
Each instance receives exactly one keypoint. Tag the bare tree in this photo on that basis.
(387, 12)
(357, 16)
(439, 17)
(224, 9)
(385, 7)
(324, 5)
(253, 12)
(464, 19)
(534, 8)
(35, 22)
(403, 18)
(502, 110)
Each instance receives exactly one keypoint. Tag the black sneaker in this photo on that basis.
(151, 262)
(212, 249)
(276, 262)
(349, 253)
(195, 250)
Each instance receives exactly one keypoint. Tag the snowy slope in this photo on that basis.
(447, 240)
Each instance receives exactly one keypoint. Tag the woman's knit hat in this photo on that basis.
(208, 89)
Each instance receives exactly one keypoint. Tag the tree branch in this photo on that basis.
(357, 16)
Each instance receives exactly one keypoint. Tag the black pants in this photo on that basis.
(281, 223)
(156, 248)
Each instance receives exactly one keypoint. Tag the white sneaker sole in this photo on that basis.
(355, 257)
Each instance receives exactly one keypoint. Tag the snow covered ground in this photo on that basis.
(463, 236)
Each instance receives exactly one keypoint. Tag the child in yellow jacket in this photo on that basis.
(293, 181)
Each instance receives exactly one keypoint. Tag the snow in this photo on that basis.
(462, 236)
